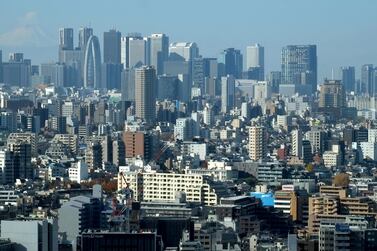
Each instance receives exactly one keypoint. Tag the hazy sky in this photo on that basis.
(345, 31)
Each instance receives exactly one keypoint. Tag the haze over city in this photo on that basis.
(336, 27)
(188, 125)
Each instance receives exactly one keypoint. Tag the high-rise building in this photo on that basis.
(348, 78)
(230, 63)
(66, 39)
(367, 85)
(84, 34)
(227, 93)
(257, 142)
(184, 50)
(145, 90)
(298, 61)
(92, 64)
(158, 51)
(134, 51)
(332, 98)
(255, 59)
(296, 143)
(111, 47)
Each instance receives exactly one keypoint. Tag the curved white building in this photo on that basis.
(92, 64)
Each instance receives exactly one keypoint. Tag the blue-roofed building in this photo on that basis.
(267, 199)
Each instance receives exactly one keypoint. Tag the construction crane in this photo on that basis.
(165, 147)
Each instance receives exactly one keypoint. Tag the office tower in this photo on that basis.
(84, 34)
(227, 93)
(119, 152)
(111, 47)
(111, 76)
(167, 87)
(255, 59)
(296, 141)
(275, 79)
(296, 60)
(183, 88)
(257, 143)
(184, 50)
(128, 84)
(332, 95)
(65, 39)
(197, 72)
(347, 75)
(145, 98)
(367, 81)
(210, 67)
(158, 51)
(332, 98)
(16, 72)
(134, 50)
(92, 64)
(53, 73)
(230, 63)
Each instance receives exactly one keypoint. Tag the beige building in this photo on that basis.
(152, 186)
(257, 143)
(69, 140)
(145, 90)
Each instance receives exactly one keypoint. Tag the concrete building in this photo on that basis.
(33, 235)
(145, 93)
(78, 172)
(257, 143)
(163, 187)
(78, 214)
(296, 141)
(228, 90)
(255, 59)
(185, 50)
(194, 148)
(293, 201)
(138, 144)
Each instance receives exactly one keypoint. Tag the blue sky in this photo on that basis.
(345, 31)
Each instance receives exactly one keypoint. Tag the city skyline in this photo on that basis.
(30, 28)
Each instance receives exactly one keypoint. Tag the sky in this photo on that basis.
(345, 31)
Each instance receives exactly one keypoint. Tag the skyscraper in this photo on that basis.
(257, 143)
(227, 93)
(158, 51)
(84, 35)
(111, 47)
(66, 39)
(92, 64)
(133, 50)
(332, 95)
(255, 59)
(348, 78)
(367, 81)
(145, 89)
(184, 50)
(296, 60)
(230, 63)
